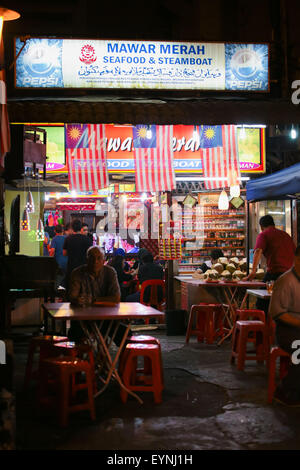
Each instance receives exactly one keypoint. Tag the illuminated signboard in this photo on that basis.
(55, 146)
(187, 155)
(73, 63)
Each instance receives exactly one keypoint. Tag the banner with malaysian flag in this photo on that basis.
(86, 157)
(153, 155)
(219, 148)
(4, 122)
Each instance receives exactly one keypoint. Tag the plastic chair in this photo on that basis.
(284, 357)
(153, 301)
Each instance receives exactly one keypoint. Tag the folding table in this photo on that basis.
(91, 319)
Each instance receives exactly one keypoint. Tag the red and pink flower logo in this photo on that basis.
(88, 55)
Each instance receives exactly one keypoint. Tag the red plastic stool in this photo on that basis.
(44, 345)
(209, 322)
(241, 336)
(142, 339)
(276, 353)
(145, 383)
(69, 348)
(57, 373)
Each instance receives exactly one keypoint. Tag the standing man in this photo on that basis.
(277, 247)
(279, 250)
(75, 247)
(285, 310)
(56, 250)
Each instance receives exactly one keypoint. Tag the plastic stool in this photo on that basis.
(209, 322)
(146, 383)
(61, 370)
(69, 348)
(44, 345)
(241, 337)
(276, 353)
(142, 339)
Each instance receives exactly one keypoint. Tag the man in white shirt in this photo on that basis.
(285, 310)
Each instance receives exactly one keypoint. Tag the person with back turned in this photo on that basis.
(75, 246)
(278, 248)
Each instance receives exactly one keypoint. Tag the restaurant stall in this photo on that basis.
(158, 159)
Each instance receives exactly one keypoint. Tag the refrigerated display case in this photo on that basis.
(280, 210)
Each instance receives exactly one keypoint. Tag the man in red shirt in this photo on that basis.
(279, 250)
(277, 247)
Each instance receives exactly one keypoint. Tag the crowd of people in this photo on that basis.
(70, 248)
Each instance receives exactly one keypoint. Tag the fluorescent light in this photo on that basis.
(252, 125)
(293, 133)
(149, 132)
(274, 212)
(207, 178)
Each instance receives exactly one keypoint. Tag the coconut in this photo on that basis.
(234, 261)
(218, 267)
(243, 265)
(223, 261)
(226, 274)
(230, 267)
(238, 274)
(198, 274)
(211, 274)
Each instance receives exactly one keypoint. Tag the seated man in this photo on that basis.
(148, 270)
(285, 310)
(94, 282)
(214, 256)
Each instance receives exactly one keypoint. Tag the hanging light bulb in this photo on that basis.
(235, 190)
(223, 202)
(39, 233)
(149, 132)
(29, 202)
(242, 133)
(293, 133)
(195, 134)
(25, 225)
(143, 197)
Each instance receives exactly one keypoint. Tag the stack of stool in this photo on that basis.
(276, 353)
(208, 321)
(69, 348)
(56, 376)
(150, 377)
(250, 331)
(43, 345)
(141, 339)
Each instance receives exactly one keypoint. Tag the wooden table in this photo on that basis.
(91, 319)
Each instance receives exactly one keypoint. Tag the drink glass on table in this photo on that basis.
(269, 286)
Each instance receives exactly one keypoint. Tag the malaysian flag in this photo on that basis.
(219, 148)
(153, 155)
(4, 123)
(86, 157)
